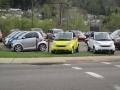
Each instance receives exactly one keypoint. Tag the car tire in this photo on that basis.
(18, 48)
(42, 47)
(77, 49)
(94, 51)
(72, 51)
(53, 52)
(88, 49)
(112, 52)
(0, 40)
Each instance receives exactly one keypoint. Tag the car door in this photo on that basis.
(75, 41)
(90, 42)
(29, 41)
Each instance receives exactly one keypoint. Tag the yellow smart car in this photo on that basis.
(65, 41)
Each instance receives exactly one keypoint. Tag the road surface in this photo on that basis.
(69, 76)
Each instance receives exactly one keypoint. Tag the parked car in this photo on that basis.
(80, 35)
(52, 33)
(1, 35)
(11, 35)
(117, 42)
(32, 40)
(15, 37)
(115, 34)
(65, 41)
(40, 30)
(88, 35)
(101, 41)
(116, 38)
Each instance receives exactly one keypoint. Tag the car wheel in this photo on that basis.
(18, 48)
(53, 52)
(88, 48)
(72, 51)
(42, 47)
(94, 51)
(112, 52)
(77, 49)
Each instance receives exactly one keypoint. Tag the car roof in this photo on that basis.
(99, 32)
(36, 29)
(56, 29)
(66, 32)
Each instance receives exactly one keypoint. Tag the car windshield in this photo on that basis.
(19, 34)
(12, 34)
(115, 33)
(64, 36)
(102, 37)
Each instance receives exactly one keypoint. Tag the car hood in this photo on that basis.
(61, 42)
(105, 42)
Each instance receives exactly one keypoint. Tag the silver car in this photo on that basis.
(32, 40)
(10, 36)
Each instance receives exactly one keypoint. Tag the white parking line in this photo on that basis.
(117, 66)
(106, 63)
(77, 68)
(117, 87)
(67, 64)
(95, 75)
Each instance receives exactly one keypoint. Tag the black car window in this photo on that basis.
(50, 31)
(32, 35)
(35, 35)
(29, 35)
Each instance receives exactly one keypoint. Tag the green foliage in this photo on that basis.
(46, 10)
(25, 24)
(112, 22)
(4, 4)
(75, 21)
(104, 7)
(37, 54)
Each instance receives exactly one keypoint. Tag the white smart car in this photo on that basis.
(101, 41)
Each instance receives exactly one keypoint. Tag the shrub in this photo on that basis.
(25, 24)
(112, 22)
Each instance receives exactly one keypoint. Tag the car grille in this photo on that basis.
(105, 45)
(60, 45)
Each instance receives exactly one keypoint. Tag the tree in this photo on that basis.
(113, 22)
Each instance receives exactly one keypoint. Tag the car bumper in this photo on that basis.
(67, 48)
(112, 48)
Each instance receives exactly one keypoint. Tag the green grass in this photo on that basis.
(37, 54)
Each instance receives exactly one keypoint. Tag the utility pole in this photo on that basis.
(32, 14)
(60, 4)
(60, 13)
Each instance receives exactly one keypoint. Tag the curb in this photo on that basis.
(31, 61)
(56, 60)
(94, 58)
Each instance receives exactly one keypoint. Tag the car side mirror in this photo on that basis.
(23, 37)
(92, 38)
(37, 37)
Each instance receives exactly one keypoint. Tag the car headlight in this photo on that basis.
(97, 43)
(68, 43)
(54, 43)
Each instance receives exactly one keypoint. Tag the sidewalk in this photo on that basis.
(50, 60)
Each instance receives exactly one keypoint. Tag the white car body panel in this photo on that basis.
(101, 45)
